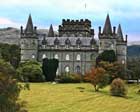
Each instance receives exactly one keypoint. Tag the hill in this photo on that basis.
(133, 51)
(12, 35)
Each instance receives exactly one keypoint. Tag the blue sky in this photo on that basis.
(14, 13)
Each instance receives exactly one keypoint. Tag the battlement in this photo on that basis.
(76, 22)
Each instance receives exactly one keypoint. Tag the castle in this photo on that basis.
(74, 45)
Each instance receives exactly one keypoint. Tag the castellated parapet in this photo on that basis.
(76, 28)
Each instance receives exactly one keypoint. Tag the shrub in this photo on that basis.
(70, 78)
(30, 71)
(9, 89)
(118, 88)
(97, 77)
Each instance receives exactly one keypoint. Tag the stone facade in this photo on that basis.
(74, 46)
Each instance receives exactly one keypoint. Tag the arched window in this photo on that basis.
(78, 70)
(33, 56)
(56, 56)
(67, 69)
(43, 56)
(78, 57)
(67, 57)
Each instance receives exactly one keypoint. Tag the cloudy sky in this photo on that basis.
(14, 13)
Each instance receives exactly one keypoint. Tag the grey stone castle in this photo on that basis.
(74, 45)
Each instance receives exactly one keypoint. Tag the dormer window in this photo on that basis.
(44, 43)
(56, 42)
(78, 42)
(67, 43)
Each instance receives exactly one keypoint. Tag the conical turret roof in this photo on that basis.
(107, 27)
(51, 32)
(29, 26)
(119, 32)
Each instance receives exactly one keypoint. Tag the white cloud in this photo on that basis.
(8, 22)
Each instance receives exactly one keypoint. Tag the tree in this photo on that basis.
(133, 66)
(97, 77)
(115, 69)
(9, 89)
(10, 53)
(30, 71)
(49, 68)
(107, 55)
(118, 88)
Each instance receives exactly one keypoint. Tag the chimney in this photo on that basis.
(99, 30)
(126, 38)
(35, 29)
(114, 30)
(21, 29)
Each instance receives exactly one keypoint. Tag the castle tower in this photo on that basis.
(51, 32)
(76, 28)
(121, 46)
(29, 41)
(107, 40)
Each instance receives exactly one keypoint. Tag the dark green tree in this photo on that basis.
(49, 68)
(107, 55)
(134, 68)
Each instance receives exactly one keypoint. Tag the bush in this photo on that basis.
(9, 89)
(97, 77)
(118, 88)
(30, 71)
(70, 78)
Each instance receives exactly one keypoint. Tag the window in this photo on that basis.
(67, 57)
(123, 61)
(78, 58)
(67, 69)
(33, 56)
(56, 56)
(57, 72)
(78, 69)
(43, 56)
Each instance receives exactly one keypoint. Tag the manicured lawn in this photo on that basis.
(46, 97)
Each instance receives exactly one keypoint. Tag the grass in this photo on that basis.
(47, 97)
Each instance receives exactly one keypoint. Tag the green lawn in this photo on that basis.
(46, 97)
